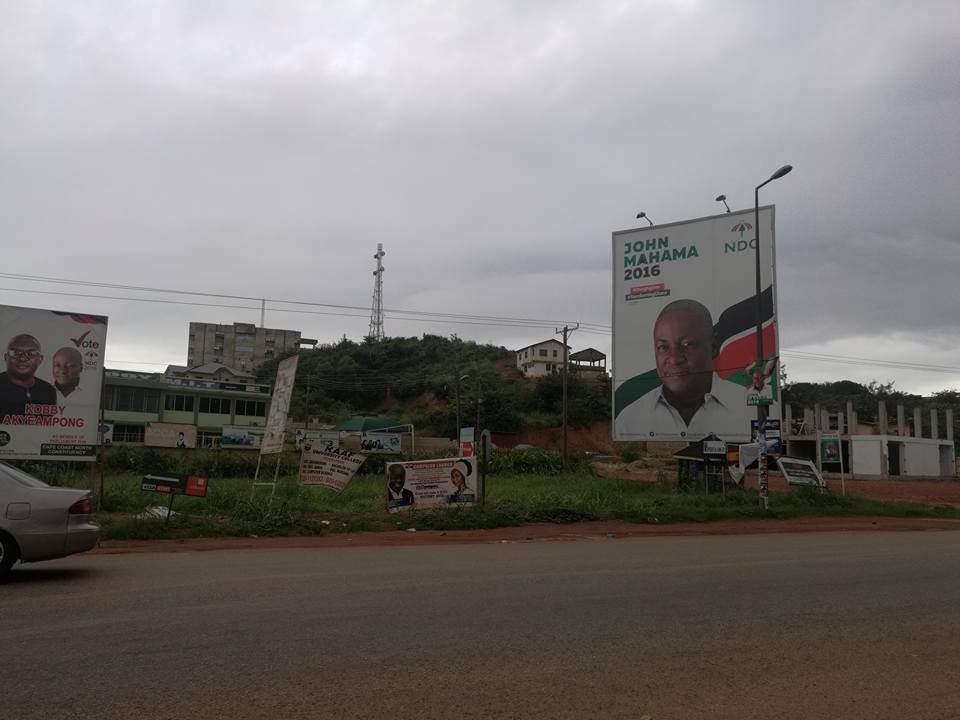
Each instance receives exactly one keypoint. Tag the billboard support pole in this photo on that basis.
(762, 480)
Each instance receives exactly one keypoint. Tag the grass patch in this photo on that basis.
(232, 509)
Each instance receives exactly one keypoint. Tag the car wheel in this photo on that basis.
(9, 552)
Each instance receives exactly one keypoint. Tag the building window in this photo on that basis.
(543, 353)
(128, 399)
(128, 433)
(180, 403)
(554, 353)
(251, 408)
(208, 439)
(215, 406)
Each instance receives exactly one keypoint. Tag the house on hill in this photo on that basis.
(539, 359)
(546, 358)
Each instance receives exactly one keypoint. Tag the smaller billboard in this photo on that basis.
(773, 434)
(174, 484)
(328, 466)
(380, 443)
(466, 442)
(324, 438)
(170, 435)
(279, 405)
(798, 471)
(241, 437)
(105, 434)
(431, 483)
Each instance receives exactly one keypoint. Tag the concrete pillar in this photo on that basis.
(807, 422)
(949, 423)
(825, 420)
(934, 430)
(901, 424)
(816, 416)
(840, 423)
(788, 430)
(917, 423)
(851, 419)
(883, 426)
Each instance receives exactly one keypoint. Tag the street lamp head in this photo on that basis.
(643, 215)
(723, 199)
(781, 172)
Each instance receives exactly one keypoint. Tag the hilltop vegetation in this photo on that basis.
(415, 380)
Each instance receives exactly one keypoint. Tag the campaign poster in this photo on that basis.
(466, 442)
(170, 435)
(379, 442)
(324, 438)
(773, 435)
(279, 406)
(51, 383)
(328, 466)
(418, 484)
(829, 449)
(684, 328)
(244, 437)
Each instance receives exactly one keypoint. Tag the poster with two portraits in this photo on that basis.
(50, 383)
(684, 328)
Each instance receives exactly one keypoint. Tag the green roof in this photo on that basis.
(370, 422)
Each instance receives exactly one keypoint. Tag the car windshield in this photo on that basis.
(20, 476)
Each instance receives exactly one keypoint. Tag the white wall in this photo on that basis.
(866, 455)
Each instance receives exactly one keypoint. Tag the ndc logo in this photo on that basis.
(4, 438)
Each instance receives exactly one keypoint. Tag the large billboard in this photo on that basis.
(279, 405)
(51, 382)
(684, 328)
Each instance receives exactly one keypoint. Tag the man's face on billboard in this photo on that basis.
(397, 477)
(683, 345)
(66, 368)
(23, 357)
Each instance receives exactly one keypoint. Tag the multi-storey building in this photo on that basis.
(132, 400)
(243, 346)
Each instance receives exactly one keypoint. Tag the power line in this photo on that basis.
(138, 288)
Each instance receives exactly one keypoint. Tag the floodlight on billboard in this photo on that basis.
(50, 387)
(684, 328)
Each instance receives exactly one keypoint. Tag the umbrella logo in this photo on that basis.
(741, 228)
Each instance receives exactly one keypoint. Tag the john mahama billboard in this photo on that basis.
(50, 384)
(684, 328)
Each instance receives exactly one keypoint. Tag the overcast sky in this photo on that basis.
(263, 149)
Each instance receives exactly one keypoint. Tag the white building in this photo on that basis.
(543, 358)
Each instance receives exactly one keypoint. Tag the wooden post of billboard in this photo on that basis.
(484, 452)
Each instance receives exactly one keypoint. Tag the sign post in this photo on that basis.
(174, 485)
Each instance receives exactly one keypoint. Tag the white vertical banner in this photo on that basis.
(279, 406)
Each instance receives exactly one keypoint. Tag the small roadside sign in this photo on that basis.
(175, 484)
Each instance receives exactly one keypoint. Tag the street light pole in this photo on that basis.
(761, 436)
(457, 437)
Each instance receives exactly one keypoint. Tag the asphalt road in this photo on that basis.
(833, 625)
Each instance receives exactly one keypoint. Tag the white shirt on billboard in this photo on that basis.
(76, 396)
(724, 412)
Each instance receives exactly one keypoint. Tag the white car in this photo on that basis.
(41, 522)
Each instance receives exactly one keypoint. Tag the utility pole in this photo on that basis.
(306, 405)
(457, 435)
(566, 332)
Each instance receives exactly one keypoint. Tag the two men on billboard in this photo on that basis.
(19, 385)
(692, 399)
